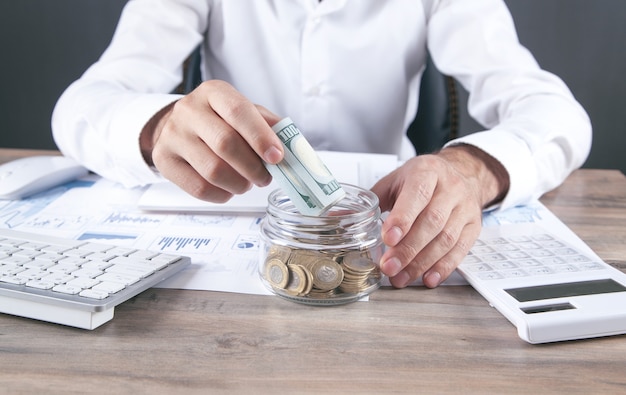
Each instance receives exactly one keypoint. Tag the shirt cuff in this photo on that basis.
(127, 125)
(515, 156)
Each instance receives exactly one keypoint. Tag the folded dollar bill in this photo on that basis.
(302, 175)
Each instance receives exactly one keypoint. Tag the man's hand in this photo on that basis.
(435, 207)
(212, 142)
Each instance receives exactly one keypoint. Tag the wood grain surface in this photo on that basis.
(415, 340)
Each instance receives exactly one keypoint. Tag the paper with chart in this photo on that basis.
(224, 246)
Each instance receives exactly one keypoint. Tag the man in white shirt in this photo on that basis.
(347, 72)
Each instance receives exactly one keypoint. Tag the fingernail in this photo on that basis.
(432, 279)
(393, 236)
(391, 266)
(272, 155)
(401, 280)
(264, 182)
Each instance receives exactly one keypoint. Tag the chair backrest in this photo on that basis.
(192, 77)
(436, 121)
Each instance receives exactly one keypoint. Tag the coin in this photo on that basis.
(276, 273)
(327, 274)
(297, 280)
(358, 264)
(279, 252)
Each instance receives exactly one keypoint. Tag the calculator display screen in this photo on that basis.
(551, 291)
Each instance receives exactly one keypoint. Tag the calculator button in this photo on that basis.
(552, 260)
(471, 259)
(504, 265)
(539, 271)
(489, 276)
(481, 267)
(565, 251)
(519, 239)
(578, 259)
(496, 240)
(529, 246)
(513, 273)
(493, 257)
(589, 266)
(552, 244)
(483, 250)
(540, 253)
(564, 268)
(516, 255)
(542, 237)
(507, 247)
(528, 262)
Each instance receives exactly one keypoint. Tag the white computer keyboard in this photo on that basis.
(548, 288)
(72, 282)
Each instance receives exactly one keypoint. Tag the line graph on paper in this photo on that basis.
(130, 219)
(185, 244)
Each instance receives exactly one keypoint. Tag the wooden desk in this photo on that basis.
(445, 340)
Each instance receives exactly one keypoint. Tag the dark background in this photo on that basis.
(45, 45)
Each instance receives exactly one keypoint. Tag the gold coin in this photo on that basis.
(358, 264)
(327, 274)
(297, 280)
(276, 273)
(279, 252)
(309, 280)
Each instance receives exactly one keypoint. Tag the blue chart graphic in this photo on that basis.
(185, 245)
(246, 243)
(106, 237)
(514, 215)
(132, 219)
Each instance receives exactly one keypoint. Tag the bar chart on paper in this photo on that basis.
(185, 244)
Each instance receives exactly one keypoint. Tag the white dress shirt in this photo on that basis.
(346, 71)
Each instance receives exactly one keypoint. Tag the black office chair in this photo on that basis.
(437, 119)
(437, 116)
(192, 76)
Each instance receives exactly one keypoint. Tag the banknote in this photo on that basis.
(302, 175)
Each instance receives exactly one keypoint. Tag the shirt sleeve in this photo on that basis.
(98, 119)
(534, 126)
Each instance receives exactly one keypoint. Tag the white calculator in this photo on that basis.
(548, 289)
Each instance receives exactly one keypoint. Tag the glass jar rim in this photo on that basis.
(358, 205)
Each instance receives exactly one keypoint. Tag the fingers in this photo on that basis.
(193, 166)
(437, 260)
(245, 118)
(434, 218)
(214, 142)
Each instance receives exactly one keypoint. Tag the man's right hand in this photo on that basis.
(212, 142)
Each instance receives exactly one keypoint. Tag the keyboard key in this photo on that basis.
(83, 282)
(57, 278)
(67, 289)
(87, 272)
(94, 294)
(40, 284)
(14, 260)
(119, 278)
(134, 270)
(109, 287)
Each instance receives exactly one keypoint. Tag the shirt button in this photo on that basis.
(315, 20)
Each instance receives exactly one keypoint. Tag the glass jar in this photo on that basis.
(322, 260)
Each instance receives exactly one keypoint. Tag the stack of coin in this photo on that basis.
(316, 274)
(360, 272)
